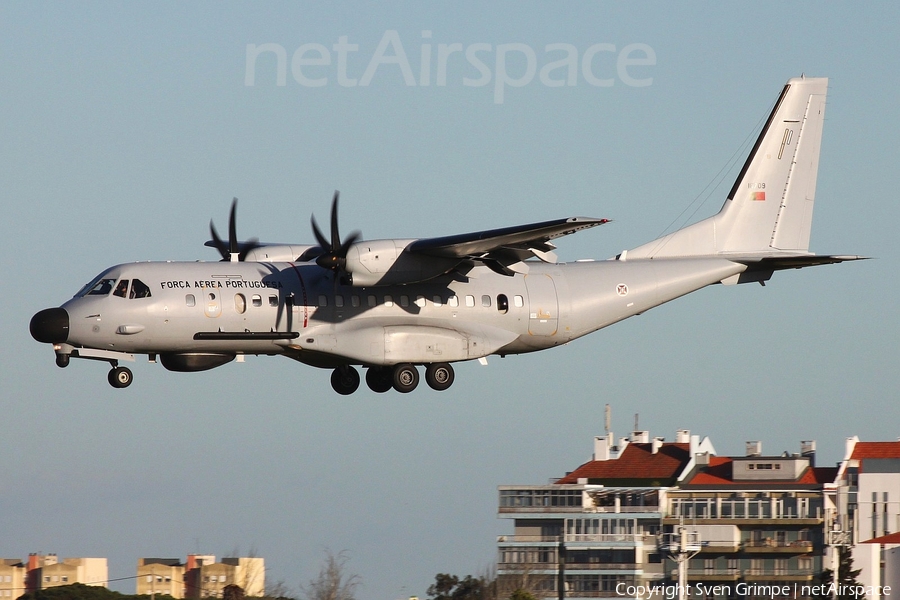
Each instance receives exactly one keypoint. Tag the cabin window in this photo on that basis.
(273, 301)
(404, 301)
(240, 303)
(189, 300)
(102, 287)
(339, 301)
(470, 301)
(486, 301)
(323, 300)
(518, 301)
(139, 289)
(388, 300)
(121, 289)
(354, 301)
(453, 301)
(256, 300)
(420, 301)
(436, 300)
(371, 300)
(502, 303)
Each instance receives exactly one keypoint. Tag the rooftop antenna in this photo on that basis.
(636, 421)
(607, 418)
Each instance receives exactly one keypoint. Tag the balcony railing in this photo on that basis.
(509, 567)
(764, 508)
(776, 544)
(580, 537)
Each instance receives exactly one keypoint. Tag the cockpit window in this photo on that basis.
(121, 289)
(139, 289)
(102, 287)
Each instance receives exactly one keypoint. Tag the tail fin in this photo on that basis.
(769, 209)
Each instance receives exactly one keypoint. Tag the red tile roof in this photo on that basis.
(636, 461)
(863, 450)
(892, 538)
(719, 472)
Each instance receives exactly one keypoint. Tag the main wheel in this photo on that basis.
(379, 379)
(345, 380)
(439, 376)
(406, 378)
(120, 377)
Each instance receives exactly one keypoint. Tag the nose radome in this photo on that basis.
(50, 326)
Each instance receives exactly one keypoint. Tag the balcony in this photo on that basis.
(533, 567)
(768, 546)
(599, 538)
(741, 510)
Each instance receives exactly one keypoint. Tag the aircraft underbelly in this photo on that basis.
(417, 344)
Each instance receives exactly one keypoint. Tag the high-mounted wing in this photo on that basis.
(503, 250)
(521, 237)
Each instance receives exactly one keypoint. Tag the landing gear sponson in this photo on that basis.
(403, 377)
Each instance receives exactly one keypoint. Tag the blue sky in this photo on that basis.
(126, 127)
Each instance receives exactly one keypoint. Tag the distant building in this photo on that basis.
(603, 519)
(12, 577)
(605, 529)
(47, 571)
(160, 576)
(760, 519)
(867, 489)
(200, 576)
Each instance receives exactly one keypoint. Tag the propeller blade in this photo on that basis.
(335, 236)
(219, 244)
(323, 242)
(232, 229)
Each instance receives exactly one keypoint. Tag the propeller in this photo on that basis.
(233, 248)
(334, 255)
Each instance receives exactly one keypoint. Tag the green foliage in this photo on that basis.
(79, 591)
(846, 574)
(451, 587)
(521, 594)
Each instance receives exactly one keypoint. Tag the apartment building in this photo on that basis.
(759, 520)
(200, 576)
(606, 529)
(12, 578)
(594, 531)
(47, 571)
(867, 492)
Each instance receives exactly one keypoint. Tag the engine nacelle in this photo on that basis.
(188, 362)
(385, 262)
(277, 252)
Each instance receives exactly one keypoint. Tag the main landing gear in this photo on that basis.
(403, 377)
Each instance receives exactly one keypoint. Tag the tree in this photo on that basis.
(333, 582)
(451, 587)
(846, 576)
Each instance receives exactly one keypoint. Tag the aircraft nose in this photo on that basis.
(50, 326)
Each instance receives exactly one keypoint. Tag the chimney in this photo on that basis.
(754, 448)
(808, 450)
(642, 437)
(683, 436)
(657, 444)
(601, 447)
(702, 459)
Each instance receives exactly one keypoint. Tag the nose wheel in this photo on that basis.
(120, 377)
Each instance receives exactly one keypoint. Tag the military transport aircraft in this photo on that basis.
(391, 305)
